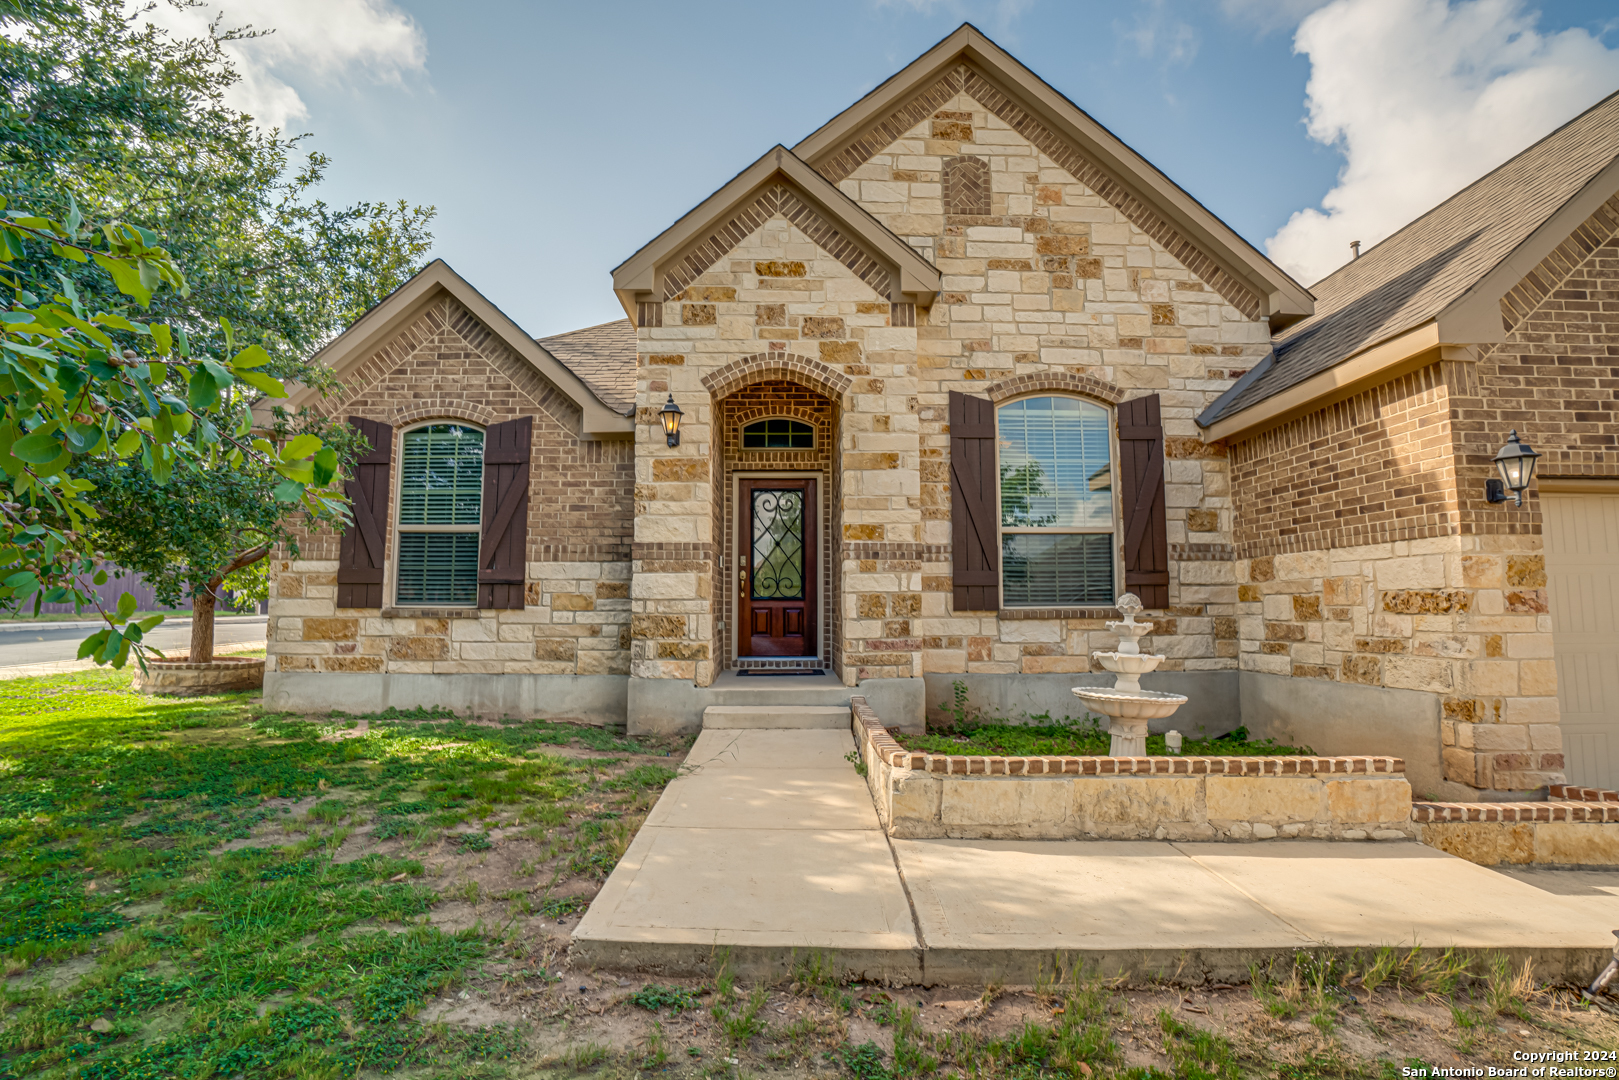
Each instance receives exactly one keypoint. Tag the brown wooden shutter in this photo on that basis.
(975, 565)
(1141, 471)
(364, 547)
(503, 551)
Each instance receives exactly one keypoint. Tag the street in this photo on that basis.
(44, 643)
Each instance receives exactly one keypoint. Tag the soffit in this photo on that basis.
(968, 62)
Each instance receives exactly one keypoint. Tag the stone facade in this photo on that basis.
(1348, 547)
(1050, 289)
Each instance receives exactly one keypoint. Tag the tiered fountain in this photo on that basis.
(1128, 707)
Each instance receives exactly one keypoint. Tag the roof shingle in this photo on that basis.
(603, 356)
(1415, 274)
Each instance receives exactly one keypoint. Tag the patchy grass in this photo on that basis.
(193, 887)
(1071, 738)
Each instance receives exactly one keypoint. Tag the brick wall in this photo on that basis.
(1375, 467)
(448, 366)
(1368, 552)
(1555, 379)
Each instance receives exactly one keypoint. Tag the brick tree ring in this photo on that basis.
(181, 678)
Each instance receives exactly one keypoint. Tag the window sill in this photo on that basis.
(430, 613)
(1060, 613)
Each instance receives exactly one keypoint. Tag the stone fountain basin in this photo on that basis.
(1129, 704)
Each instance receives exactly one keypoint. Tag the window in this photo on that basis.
(1056, 484)
(778, 434)
(440, 515)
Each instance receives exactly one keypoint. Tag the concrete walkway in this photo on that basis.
(768, 846)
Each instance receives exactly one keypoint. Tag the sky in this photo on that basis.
(555, 139)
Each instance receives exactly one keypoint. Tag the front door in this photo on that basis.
(776, 569)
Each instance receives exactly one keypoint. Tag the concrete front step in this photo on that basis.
(776, 716)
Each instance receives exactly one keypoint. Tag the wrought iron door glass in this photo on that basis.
(778, 545)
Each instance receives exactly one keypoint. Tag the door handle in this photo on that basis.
(742, 581)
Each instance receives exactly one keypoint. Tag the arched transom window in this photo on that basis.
(778, 433)
(440, 510)
(1056, 495)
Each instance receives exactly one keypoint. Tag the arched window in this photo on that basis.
(1056, 493)
(778, 433)
(440, 510)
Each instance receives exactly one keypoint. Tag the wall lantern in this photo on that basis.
(1516, 461)
(670, 414)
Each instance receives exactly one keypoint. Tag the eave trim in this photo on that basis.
(396, 311)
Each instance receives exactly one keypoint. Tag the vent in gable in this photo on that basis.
(966, 186)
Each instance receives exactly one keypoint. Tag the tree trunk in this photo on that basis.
(202, 623)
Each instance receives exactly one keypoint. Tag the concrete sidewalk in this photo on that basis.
(768, 845)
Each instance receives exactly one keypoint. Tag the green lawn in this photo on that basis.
(996, 737)
(172, 957)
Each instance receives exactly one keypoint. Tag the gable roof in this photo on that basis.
(435, 281)
(836, 222)
(968, 60)
(1451, 266)
(603, 356)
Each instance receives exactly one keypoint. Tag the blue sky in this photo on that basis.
(556, 138)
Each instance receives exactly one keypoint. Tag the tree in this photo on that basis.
(84, 385)
(102, 111)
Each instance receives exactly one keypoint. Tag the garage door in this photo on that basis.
(1582, 578)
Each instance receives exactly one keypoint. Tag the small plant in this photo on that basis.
(655, 996)
(853, 757)
(474, 841)
(1196, 1053)
(556, 907)
(866, 1060)
(586, 1056)
(1505, 989)
(956, 709)
(330, 811)
(657, 1048)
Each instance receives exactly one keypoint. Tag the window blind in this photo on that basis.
(441, 476)
(438, 568)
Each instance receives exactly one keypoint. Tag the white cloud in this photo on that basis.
(1423, 97)
(324, 40)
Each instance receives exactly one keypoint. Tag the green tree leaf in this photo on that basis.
(37, 449)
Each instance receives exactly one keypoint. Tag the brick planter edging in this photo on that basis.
(893, 754)
(922, 796)
(1567, 830)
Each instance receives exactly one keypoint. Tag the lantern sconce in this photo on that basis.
(1516, 463)
(670, 414)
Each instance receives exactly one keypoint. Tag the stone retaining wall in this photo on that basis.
(922, 795)
(1576, 826)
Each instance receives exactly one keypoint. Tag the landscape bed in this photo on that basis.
(965, 793)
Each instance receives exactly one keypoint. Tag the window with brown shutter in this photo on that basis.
(975, 554)
(363, 548)
(503, 559)
(1141, 473)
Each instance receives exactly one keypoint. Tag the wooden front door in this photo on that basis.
(777, 569)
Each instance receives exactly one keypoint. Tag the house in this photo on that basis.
(949, 375)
